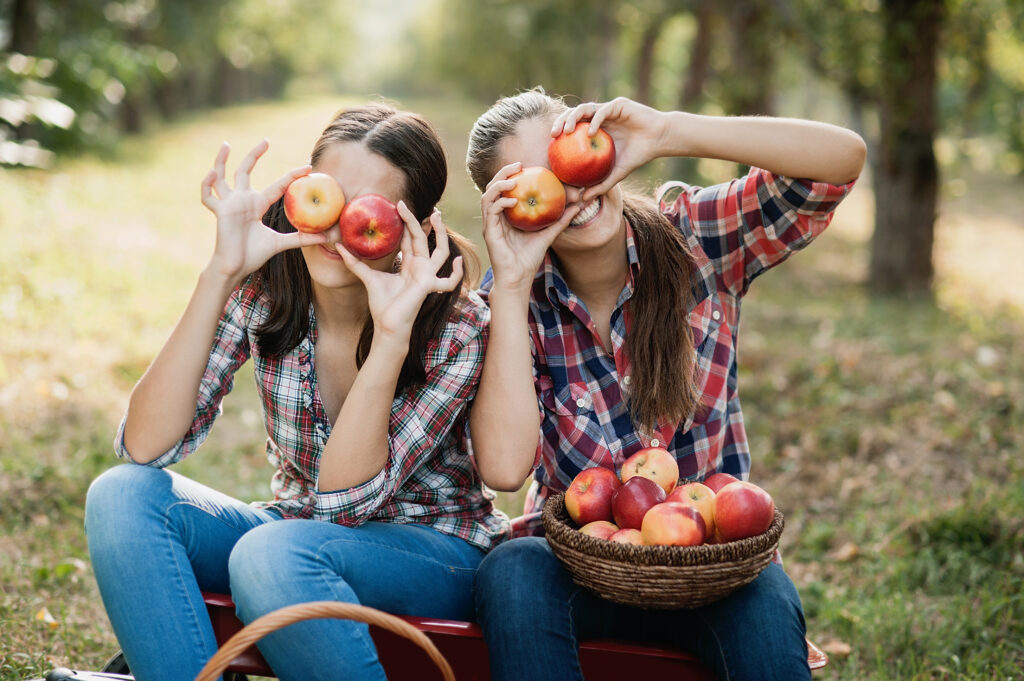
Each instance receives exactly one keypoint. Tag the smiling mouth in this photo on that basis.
(588, 213)
(330, 252)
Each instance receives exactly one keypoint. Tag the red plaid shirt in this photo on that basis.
(735, 231)
(428, 479)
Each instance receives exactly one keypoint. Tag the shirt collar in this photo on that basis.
(557, 290)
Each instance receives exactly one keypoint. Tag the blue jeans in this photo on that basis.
(156, 539)
(526, 601)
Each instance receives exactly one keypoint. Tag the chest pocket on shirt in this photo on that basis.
(572, 399)
(705, 318)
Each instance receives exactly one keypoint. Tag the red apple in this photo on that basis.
(700, 497)
(673, 524)
(717, 481)
(540, 199)
(742, 509)
(627, 536)
(589, 496)
(654, 463)
(313, 202)
(602, 529)
(579, 159)
(633, 499)
(370, 226)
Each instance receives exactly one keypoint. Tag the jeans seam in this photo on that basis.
(572, 634)
(721, 646)
(193, 616)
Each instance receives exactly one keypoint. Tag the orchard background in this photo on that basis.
(885, 416)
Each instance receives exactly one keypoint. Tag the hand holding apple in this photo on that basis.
(579, 158)
(540, 199)
(313, 202)
(370, 226)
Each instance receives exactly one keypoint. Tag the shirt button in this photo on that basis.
(655, 442)
(716, 315)
(626, 380)
(580, 402)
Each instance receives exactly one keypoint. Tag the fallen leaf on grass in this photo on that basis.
(847, 551)
(44, 616)
(836, 648)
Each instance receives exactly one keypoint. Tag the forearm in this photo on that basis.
(163, 403)
(358, 447)
(504, 420)
(784, 146)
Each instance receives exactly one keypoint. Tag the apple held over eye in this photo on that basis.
(602, 529)
(717, 481)
(636, 496)
(673, 524)
(654, 463)
(589, 496)
(313, 202)
(540, 199)
(371, 227)
(701, 498)
(579, 159)
(742, 509)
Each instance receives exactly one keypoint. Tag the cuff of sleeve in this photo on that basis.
(808, 197)
(162, 461)
(352, 506)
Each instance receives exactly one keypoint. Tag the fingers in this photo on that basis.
(614, 177)
(277, 189)
(298, 240)
(441, 248)
(206, 189)
(566, 121)
(491, 201)
(244, 169)
(357, 266)
(221, 184)
(450, 282)
(414, 231)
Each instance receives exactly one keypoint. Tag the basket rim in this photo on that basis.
(560, 529)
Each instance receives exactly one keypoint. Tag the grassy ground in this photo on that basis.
(890, 433)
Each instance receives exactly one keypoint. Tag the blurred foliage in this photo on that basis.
(77, 73)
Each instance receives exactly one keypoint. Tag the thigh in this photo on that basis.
(400, 568)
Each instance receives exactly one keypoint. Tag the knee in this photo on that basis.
(514, 570)
(773, 595)
(118, 493)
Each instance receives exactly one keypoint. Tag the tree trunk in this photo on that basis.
(907, 178)
(754, 33)
(700, 58)
(24, 27)
(645, 59)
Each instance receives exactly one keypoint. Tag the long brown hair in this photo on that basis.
(409, 143)
(660, 341)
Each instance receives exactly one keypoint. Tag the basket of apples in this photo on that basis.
(645, 539)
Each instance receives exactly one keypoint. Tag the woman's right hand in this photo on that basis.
(515, 254)
(244, 243)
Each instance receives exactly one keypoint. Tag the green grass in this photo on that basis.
(889, 432)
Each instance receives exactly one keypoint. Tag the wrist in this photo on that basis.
(217, 279)
(679, 134)
(514, 297)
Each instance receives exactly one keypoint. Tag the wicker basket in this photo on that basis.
(657, 577)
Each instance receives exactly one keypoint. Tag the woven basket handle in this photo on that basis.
(319, 610)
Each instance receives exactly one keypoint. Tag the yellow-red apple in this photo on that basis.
(673, 524)
(602, 529)
(579, 159)
(312, 203)
(654, 463)
(633, 499)
(540, 199)
(699, 496)
(742, 509)
(627, 536)
(589, 496)
(717, 481)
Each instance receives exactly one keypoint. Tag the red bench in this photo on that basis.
(463, 646)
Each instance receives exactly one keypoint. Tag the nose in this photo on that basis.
(573, 193)
(333, 233)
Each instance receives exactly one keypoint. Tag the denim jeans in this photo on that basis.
(526, 601)
(156, 539)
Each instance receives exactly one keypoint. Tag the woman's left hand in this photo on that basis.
(395, 298)
(638, 132)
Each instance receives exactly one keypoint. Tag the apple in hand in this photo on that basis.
(540, 199)
(313, 202)
(742, 509)
(371, 226)
(579, 159)
(589, 496)
(701, 497)
(627, 536)
(654, 463)
(636, 496)
(673, 524)
(717, 481)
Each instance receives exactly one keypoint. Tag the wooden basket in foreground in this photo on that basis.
(657, 577)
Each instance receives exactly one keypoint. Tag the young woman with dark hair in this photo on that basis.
(615, 329)
(364, 369)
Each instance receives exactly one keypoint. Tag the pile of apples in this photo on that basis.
(646, 505)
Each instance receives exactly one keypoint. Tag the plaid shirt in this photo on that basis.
(428, 479)
(735, 231)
